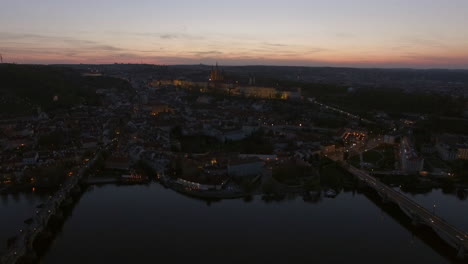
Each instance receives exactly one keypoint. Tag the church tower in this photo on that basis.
(216, 75)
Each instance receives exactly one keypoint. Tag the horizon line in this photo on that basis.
(246, 65)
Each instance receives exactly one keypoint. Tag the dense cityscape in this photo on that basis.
(230, 136)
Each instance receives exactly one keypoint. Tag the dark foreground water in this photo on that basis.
(451, 208)
(151, 224)
(14, 210)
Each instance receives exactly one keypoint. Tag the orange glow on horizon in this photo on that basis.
(456, 58)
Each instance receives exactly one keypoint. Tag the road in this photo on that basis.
(337, 110)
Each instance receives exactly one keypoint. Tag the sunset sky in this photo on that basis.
(357, 33)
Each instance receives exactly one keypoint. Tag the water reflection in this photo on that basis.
(139, 224)
(14, 210)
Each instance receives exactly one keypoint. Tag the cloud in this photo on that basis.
(34, 45)
(168, 36)
(344, 35)
(37, 38)
(317, 50)
(181, 36)
(42, 48)
(206, 53)
(105, 48)
(287, 50)
(432, 58)
(163, 35)
(274, 44)
(231, 59)
(423, 41)
(402, 47)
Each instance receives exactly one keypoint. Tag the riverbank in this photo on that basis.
(209, 194)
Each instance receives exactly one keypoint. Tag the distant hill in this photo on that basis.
(25, 87)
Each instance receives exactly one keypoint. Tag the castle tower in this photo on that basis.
(251, 80)
(216, 74)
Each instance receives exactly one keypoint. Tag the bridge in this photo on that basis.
(340, 111)
(23, 244)
(451, 235)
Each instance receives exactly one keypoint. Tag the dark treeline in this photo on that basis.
(25, 87)
(395, 101)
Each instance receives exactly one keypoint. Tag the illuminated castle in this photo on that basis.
(218, 82)
(216, 75)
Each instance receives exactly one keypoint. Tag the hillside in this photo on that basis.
(25, 87)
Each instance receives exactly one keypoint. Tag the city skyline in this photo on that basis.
(364, 33)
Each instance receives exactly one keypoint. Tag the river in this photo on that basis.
(14, 210)
(449, 207)
(149, 224)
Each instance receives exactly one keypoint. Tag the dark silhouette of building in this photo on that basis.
(216, 74)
